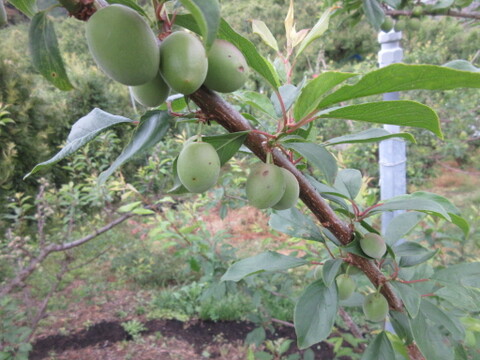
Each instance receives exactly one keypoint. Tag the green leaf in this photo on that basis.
(367, 136)
(429, 339)
(403, 77)
(207, 17)
(319, 157)
(226, 145)
(258, 101)
(374, 13)
(380, 349)
(401, 225)
(466, 274)
(412, 254)
(441, 318)
(409, 202)
(152, 128)
(462, 65)
(449, 207)
(442, 4)
(329, 193)
(288, 94)
(294, 223)
(401, 325)
(349, 181)
(266, 261)
(28, 7)
(330, 270)
(83, 131)
(320, 27)
(259, 27)
(461, 297)
(398, 112)
(256, 61)
(44, 50)
(311, 93)
(410, 297)
(129, 207)
(315, 313)
(177, 187)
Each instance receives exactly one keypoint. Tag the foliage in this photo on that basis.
(404, 276)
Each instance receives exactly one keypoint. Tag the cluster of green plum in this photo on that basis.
(198, 167)
(128, 51)
(375, 306)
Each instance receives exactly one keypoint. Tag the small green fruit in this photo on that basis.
(198, 166)
(373, 245)
(375, 307)
(387, 24)
(265, 185)
(400, 25)
(183, 62)
(227, 67)
(292, 191)
(414, 24)
(123, 45)
(153, 93)
(417, 11)
(346, 286)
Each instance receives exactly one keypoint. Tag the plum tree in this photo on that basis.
(292, 191)
(375, 307)
(198, 166)
(152, 93)
(373, 245)
(123, 45)
(3, 14)
(265, 185)
(345, 286)
(183, 62)
(227, 67)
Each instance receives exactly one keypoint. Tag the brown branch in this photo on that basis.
(453, 13)
(352, 326)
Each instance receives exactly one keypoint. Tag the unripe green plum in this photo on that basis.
(153, 93)
(375, 307)
(292, 191)
(123, 45)
(387, 24)
(414, 24)
(417, 11)
(400, 25)
(227, 67)
(183, 62)
(3, 14)
(198, 166)
(373, 245)
(265, 185)
(346, 286)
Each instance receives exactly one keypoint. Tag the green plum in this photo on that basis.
(153, 93)
(373, 245)
(291, 194)
(265, 185)
(345, 286)
(375, 307)
(123, 45)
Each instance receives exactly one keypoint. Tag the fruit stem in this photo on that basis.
(199, 131)
(269, 158)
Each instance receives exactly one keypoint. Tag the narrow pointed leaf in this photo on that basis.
(380, 349)
(320, 27)
(258, 101)
(374, 13)
(207, 17)
(152, 128)
(441, 318)
(403, 77)
(288, 93)
(318, 157)
(289, 24)
(349, 181)
(315, 313)
(294, 223)
(401, 225)
(44, 50)
(28, 7)
(83, 131)
(330, 270)
(462, 65)
(410, 297)
(255, 61)
(311, 94)
(266, 261)
(399, 112)
(467, 274)
(367, 136)
(260, 28)
(226, 145)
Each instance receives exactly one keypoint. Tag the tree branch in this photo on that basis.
(453, 13)
(218, 109)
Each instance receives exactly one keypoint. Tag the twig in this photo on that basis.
(352, 326)
(286, 323)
